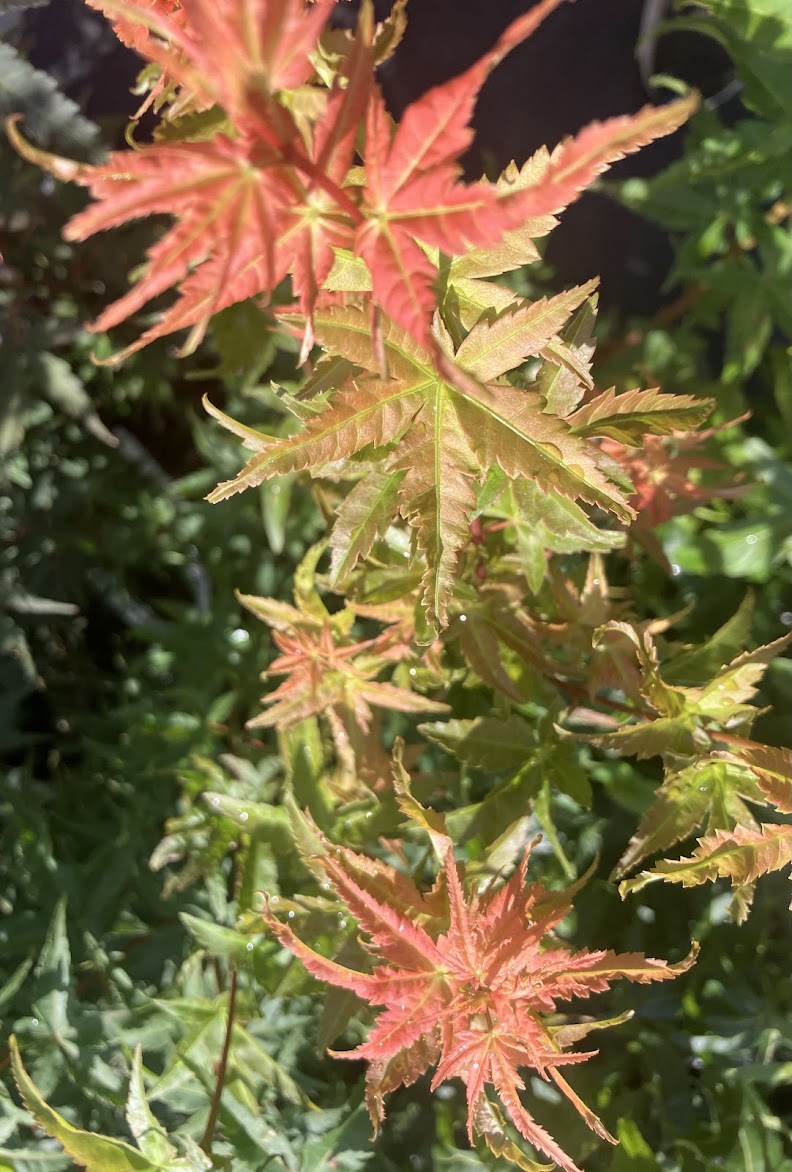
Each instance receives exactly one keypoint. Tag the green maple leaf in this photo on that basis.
(709, 792)
(683, 720)
(439, 431)
(541, 522)
(741, 855)
(629, 416)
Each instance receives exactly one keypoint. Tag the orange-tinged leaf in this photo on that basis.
(229, 197)
(495, 346)
(230, 192)
(773, 767)
(471, 991)
(413, 191)
(629, 416)
(317, 225)
(226, 51)
(327, 671)
(741, 854)
(661, 475)
(566, 374)
(577, 162)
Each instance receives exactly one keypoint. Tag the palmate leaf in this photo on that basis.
(442, 438)
(230, 193)
(226, 51)
(661, 474)
(469, 990)
(292, 202)
(230, 197)
(685, 720)
(312, 226)
(326, 669)
(541, 522)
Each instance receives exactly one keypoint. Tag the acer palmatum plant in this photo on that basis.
(454, 434)
(469, 985)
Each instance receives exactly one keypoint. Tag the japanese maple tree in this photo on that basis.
(476, 483)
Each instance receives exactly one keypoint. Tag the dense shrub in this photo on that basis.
(528, 635)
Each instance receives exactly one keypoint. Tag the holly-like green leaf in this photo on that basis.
(52, 979)
(96, 1153)
(151, 1139)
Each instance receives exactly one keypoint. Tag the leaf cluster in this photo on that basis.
(494, 590)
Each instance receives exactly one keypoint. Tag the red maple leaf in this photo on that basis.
(327, 670)
(272, 191)
(230, 195)
(661, 474)
(468, 986)
(224, 51)
(413, 193)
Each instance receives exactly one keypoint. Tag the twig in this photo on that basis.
(214, 1110)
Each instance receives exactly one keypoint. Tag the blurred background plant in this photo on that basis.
(138, 817)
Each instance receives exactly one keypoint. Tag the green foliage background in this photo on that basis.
(137, 815)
